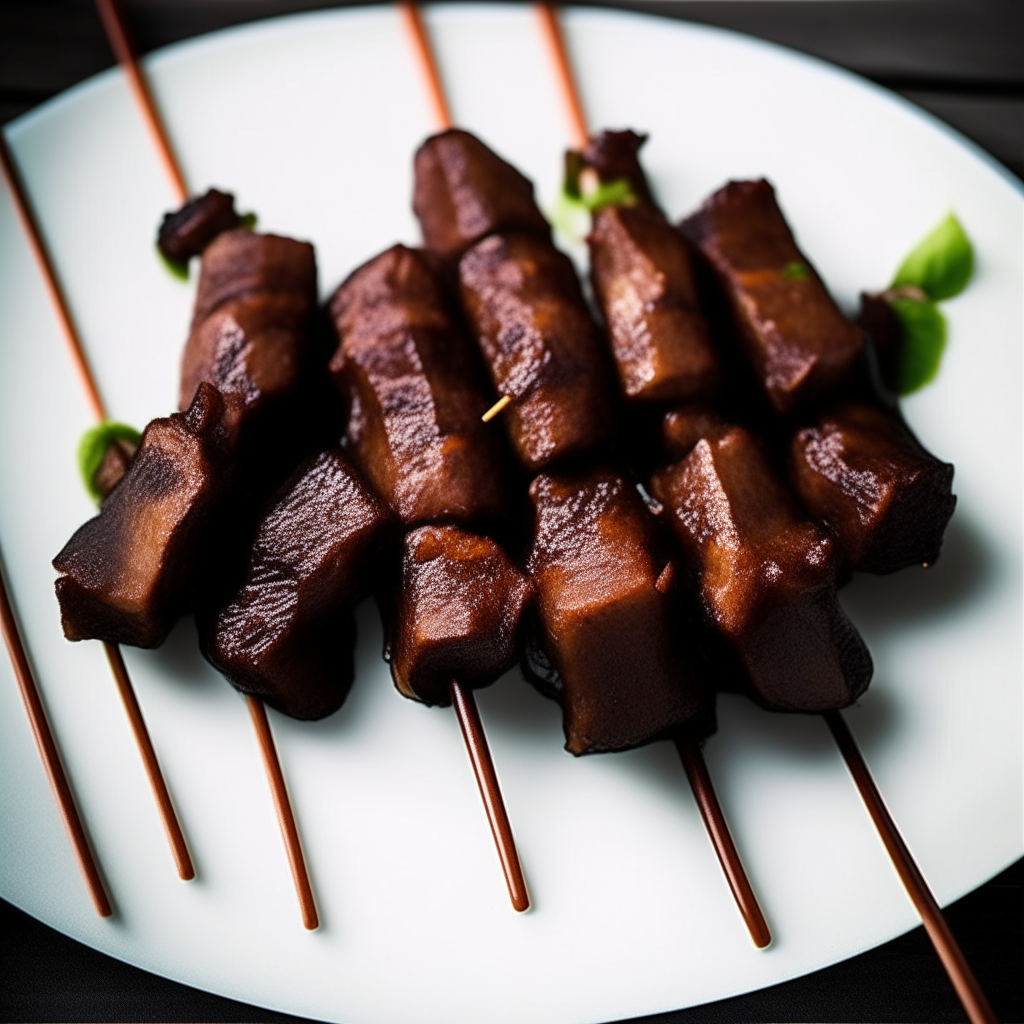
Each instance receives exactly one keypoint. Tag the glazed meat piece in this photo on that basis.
(252, 338)
(684, 426)
(457, 613)
(765, 577)
(883, 326)
(287, 635)
(524, 305)
(643, 282)
(614, 156)
(127, 574)
(241, 263)
(413, 387)
(186, 232)
(608, 619)
(795, 339)
(862, 472)
(464, 192)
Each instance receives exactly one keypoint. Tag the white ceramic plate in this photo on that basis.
(312, 121)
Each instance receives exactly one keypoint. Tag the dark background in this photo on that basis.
(963, 60)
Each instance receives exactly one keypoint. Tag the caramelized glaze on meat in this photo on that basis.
(186, 232)
(287, 633)
(127, 574)
(457, 613)
(766, 578)
(862, 472)
(524, 305)
(413, 389)
(608, 619)
(644, 285)
(464, 192)
(684, 426)
(798, 343)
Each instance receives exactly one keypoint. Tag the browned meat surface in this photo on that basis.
(287, 634)
(186, 232)
(765, 577)
(413, 386)
(241, 263)
(456, 615)
(613, 156)
(684, 426)
(795, 339)
(862, 472)
(883, 326)
(127, 574)
(643, 283)
(524, 305)
(608, 617)
(464, 192)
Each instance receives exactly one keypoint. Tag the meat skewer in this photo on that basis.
(172, 827)
(409, 378)
(820, 367)
(767, 301)
(500, 210)
(116, 30)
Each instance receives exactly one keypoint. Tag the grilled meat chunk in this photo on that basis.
(644, 285)
(608, 619)
(413, 385)
(456, 615)
(464, 192)
(186, 232)
(287, 634)
(766, 578)
(793, 336)
(614, 156)
(127, 574)
(524, 305)
(683, 426)
(862, 472)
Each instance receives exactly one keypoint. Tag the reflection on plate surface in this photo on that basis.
(312, 121)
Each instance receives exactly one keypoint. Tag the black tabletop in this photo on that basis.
(963, 60)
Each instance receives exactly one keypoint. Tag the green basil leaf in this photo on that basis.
(176, 268)
(924, 339)
(248, 220)
(795, 271)
(93, 446)
(941, 264)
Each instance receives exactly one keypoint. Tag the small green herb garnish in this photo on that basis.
(924, 340)
(941, 264)
(575, 208)
(795, 271)
(938, 267)
(176, 268)
(247, 220)
(93, 446)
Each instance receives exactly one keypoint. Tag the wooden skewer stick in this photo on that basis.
(120, 41)
(501, 404)
(39, 250)
(693, 760)
(552, 31)
(960, 974)
(23, 208)
(118, 36)
(179, 849)
(490, 792)
(48, 753)
(413, 21)
(283, 807)
(721, 839)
